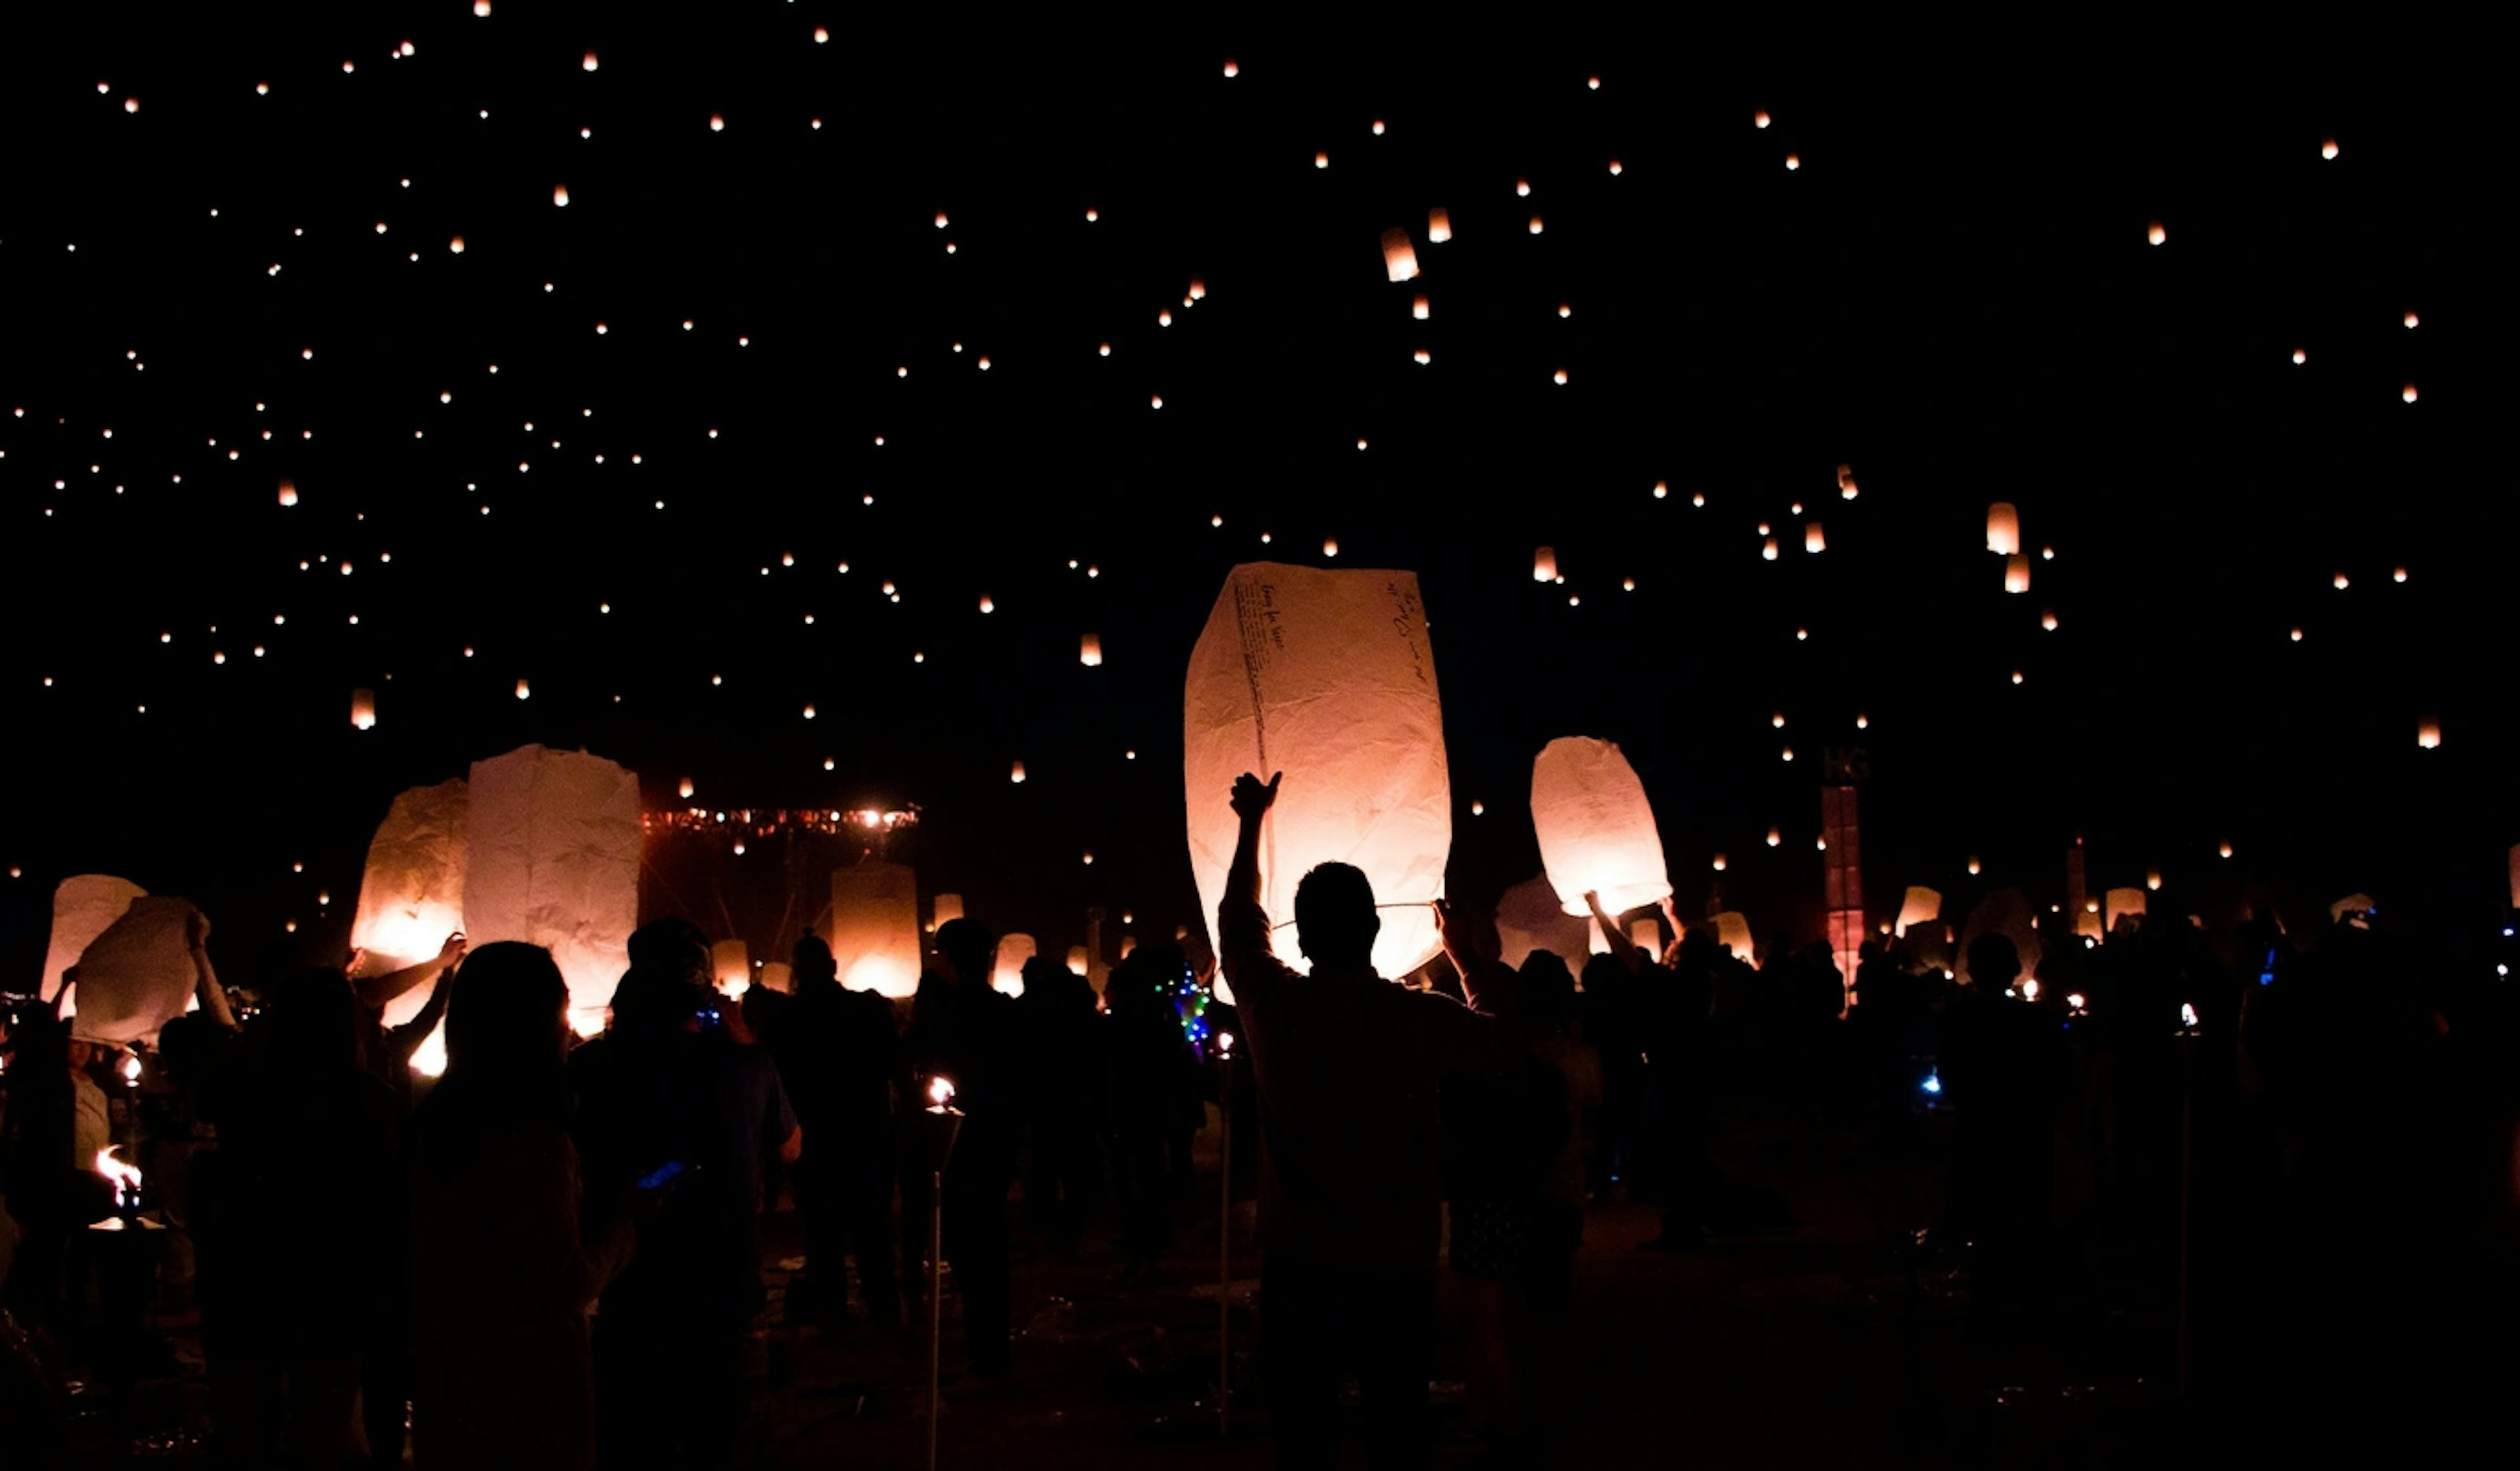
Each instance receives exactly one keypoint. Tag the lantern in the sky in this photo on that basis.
(1077, 956)
(1016, 774)
(589, 62)
(2125, 901)
(684, 790)
(1013, 951)
(944, 909)
(2155, 233)
(363, 709)
(1812, 539)
(552, 844)
(1732, 932)
(1089, 650)
(1846, 481)
(411, 893)
(560, 195)
(2428, 733)
(1544, 565)
(84, 907)
(1399, 256)
(730, 963)
(1417, 308)
(2017, 573)
(524, 689)
(1439, 226)
(2002, 529)
(875, 927)
(1922, 906)
(288, 492)
(1596, 828)
(1330, 677)
(135, 976)
(2327, 150)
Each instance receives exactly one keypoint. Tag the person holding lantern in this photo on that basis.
(1347, 1071)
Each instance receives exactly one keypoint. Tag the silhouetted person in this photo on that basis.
(1063, 1051)
(964, 1031)
(2003, 1069)
(503, 1264)
(1676, 1038)
(840, 1053)
(1348, 1068)
(1155, 1083)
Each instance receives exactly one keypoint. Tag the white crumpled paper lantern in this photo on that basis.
(1596, 829)
(875, 927)
(411, 897)
(1330, 677)
(554, 842)
(84, 907)
(136, 976)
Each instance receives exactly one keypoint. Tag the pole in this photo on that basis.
(1225, 1252)
(2187, 1184)
(935, 1303)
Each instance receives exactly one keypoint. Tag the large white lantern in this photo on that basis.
(411, 897)
(86, 905)
(875, 927)
(944, 909)
(136, 976)
(1328, 677)
(1596, 829)
(1529, 917)
(731, 967)
(1732, 932)
(1013, 951)
(553, 840)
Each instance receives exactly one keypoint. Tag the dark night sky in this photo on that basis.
(1953, 293)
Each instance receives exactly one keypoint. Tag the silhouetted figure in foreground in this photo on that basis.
(966, 1032)
(1348, 1067)
(503, 1264)
(839, 1054)
(1154, 1083)
(1063, 1047)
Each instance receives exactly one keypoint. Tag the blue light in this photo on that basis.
(1934, 1083)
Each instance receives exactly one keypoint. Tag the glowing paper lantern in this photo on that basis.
(1529, 917)
(1544, 565)
(136, 976)
(1732, 932)
(2125, 901)
(363, 709)
(2327, 150)
(1812, 539)
(1439, 226)
(1013, 951)
(1417, 308)
(944, 909)
(1328, 677)
(1016, 774)
(410, 894)
(1399, 256)
(1922, 906)
(1077, 956)
(2428, 733)
(288, 492)
(552, 841)
(1846, 481)
(84, 907)
(2002, 529)
(1089, 650)
(778, 976)
(730, 963)
(1596, 828)
(1645, 935)
(2007, 912)
(2017, 573)
(2155, 233)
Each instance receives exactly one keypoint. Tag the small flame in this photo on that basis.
(131, 1068)
(1225, 1044)
(2074, 999)
(2029, 989)
(2187, 1015)
(940, 1095)
(125, 1177)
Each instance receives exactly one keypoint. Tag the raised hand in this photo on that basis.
(1252, 796)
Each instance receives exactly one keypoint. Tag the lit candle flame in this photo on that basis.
(940, 1095)
(125, 1177)
(131, 1068)
(1225, 1044)
(2187, 1015)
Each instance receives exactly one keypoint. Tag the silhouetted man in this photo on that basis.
(1347, 1070)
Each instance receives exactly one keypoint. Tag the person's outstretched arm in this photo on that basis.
(1622, 948)
(375, 991)
(205, 981)
(1242, 924)
(403, 1041)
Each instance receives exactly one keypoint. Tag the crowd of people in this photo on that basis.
(553, 1254)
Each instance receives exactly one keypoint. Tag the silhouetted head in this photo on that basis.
(1992, 963)
(810, 962)
(970, 950)
(314, 1026)
(1334, 918)
(1054, 984)
(671, 947)
(508, 1017)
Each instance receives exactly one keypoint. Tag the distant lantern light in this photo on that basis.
(363, 709)
(2342, 582)
(2400, 575)
(1156, 400)
(2428, 733)
(2407, 393)
(1614, 167)
(1377, 128)
(1846, 483)
(1422, 356)
(1561, 377)
(1165, 318)
(1789, 753)
(1777, 720)
(2002, 529)
(1593, 83)
(1774, 838)
(1329, 546)
(1698, 499)
(1522, 189)
(1565, 310)
(1793, 162)
(1478, 809)
(2017, 573)
(2226, 850)
(1627, 583)
(1758, 118)
(1536, 226)
(1321, 161)
(1016, 774)
(1544, 565)
(717, 122)
(1417, 308)
(589, 64)
(2300, 355)
(456, 245)
(560, 195)
(2296, 634)
(941, 220)
(1197, 289)
(1090, 215)
(525, 690)
(1439, 226)
(809, 712)
(2152, 879)
(2047, 620)
(288, 492)
(1973, 865)
(1812, 539)
(2155, 233)
(1089, 650)
(1768, 550)
(1802, 635)
(685, 789)
(1232, 69)
(2327, 150)
(822, 35)
(2016, 676)
(1661, 489)
(988, 604)
(2411, 319)
(1862, 722)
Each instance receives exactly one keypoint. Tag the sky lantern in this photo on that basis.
(1759, 119)
(560, 195)
(2017, 573)
(1535, 224)
(1417, 308)
(2002, 529)
(1015, 773)
(2327, 150)
(1922, 906)
(2428, 733)
(2411, 319)
(2407, 393)
(1439, 226)
(1321, 161)
(553, 842)
(875, 927)
(288, 492)
(1231, 69)
(363, 709)
(1089, 650)
(84, 907)
(2152, 879)
(988, 604)
(1399, 256)
(589, 64)
(685, 789)
(2155, 233)
(2047, 619)
(944, 909)
(1596, 828)
(1846, 483)
(2300, 355)
(1013, 951)
(136, 975)
(731, 966)
(524, 689)
(1768, 550)
(1330, 677)
(1812, 539)
(1544, 565)
(2122, 901)
(1793, 162)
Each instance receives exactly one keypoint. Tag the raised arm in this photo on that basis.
(403, 1041)
(375, 991)
(205, 981)
(1242, 924)
(1622, 948)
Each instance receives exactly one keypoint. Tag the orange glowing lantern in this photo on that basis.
(1399, 256)
(1417, 308)
(525, 690)
(1439, 226)
(1812, 539)
(685, 789)
(2002, 529)
(1536, 225)
(1768, 550)
(288, 492)
(560, 195)
(1089, 650)
(1596, 827)
(363, 709)
(1544, 565)
(875, 927)
(1846, 481)
(2155, 233)
(2327, 150)
(2428, 733)
(1016, 774)
(2017, 573)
